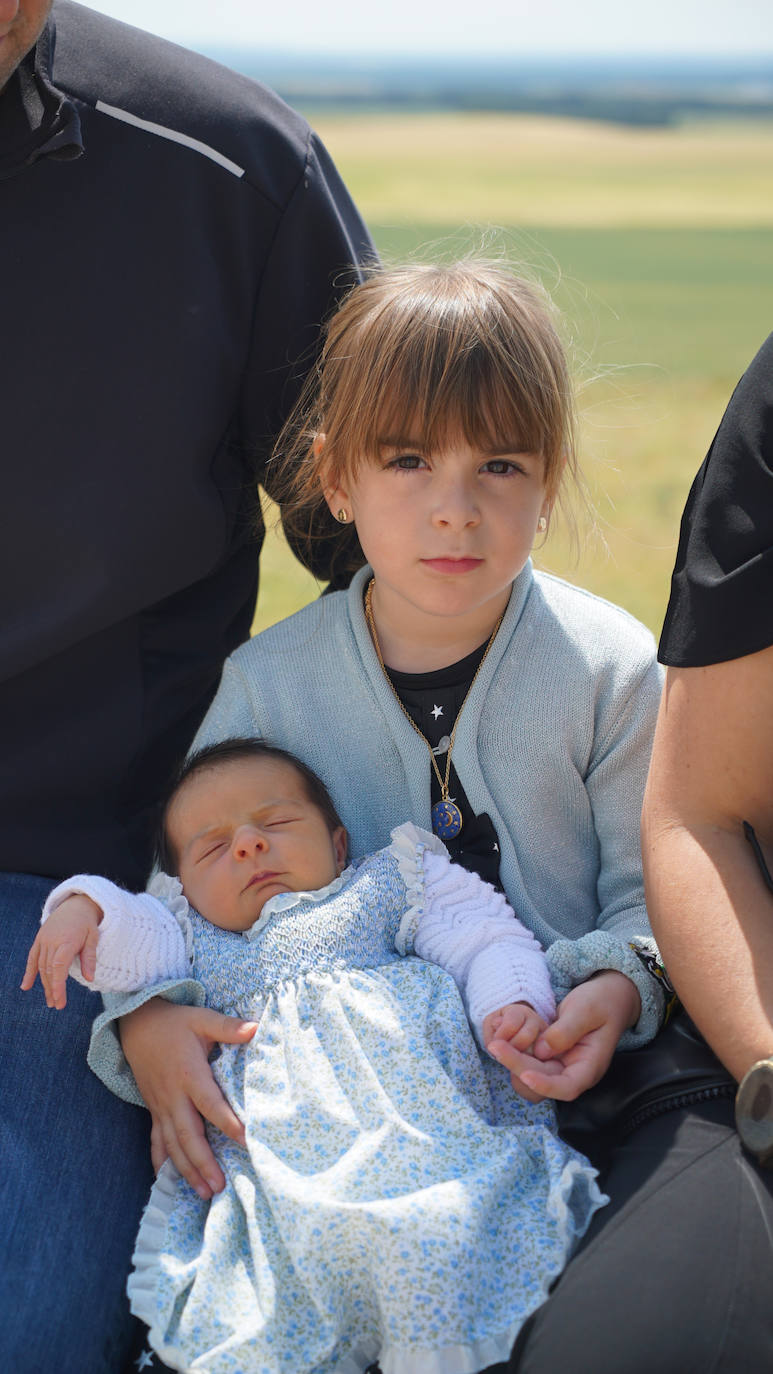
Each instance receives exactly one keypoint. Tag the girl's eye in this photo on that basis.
(407, 462)
(500, 467)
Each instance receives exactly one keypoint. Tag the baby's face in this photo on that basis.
(245, 830)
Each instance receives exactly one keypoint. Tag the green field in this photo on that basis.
(658, 247)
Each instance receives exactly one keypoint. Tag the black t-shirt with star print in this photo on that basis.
(433, 701)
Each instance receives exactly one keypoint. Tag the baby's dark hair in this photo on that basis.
(233, 750)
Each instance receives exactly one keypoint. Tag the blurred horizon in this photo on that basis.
(692, 62)
(555, 29)
(659, 91)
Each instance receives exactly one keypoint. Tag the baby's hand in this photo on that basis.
(73, 928)
(575, 1051)
(510, 1033)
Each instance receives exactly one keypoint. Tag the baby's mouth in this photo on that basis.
(264, 876)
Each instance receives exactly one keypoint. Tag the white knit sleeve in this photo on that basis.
(467, 927)
(140, 940)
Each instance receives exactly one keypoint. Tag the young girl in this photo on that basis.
(451, 684)
(386, 1165)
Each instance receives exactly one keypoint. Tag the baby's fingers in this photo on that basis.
(88, 955)
(54, 973)
(32, 967)
(490, 1027)
(519, 1025)
(533, 1025)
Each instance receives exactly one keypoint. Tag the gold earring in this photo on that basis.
(341, 516)
(542, 524)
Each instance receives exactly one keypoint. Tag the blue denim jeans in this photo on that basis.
(74, 1173)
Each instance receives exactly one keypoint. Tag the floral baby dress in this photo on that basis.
(395, 1199)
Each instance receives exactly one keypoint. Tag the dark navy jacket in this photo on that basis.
(171, 236)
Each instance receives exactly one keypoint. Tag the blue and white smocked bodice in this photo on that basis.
(303, 933)
(394, 1199)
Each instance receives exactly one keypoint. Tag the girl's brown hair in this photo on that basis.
(435, 352)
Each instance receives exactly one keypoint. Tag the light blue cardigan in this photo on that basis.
(553, 743)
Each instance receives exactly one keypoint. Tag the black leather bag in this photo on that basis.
(673, 1070)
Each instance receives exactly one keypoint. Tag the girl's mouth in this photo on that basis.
(452, 565)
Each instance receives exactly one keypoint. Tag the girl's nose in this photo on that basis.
(456, 507)
(247, 841)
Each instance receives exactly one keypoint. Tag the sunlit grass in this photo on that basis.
(520, 169)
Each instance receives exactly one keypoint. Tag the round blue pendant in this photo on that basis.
(446, 820)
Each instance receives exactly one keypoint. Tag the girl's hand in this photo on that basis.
(167, 1047)
(575, 1051)
(72, 929)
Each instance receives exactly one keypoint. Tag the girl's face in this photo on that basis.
(244, 831)
(446, 533)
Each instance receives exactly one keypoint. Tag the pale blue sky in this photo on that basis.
(545, 27)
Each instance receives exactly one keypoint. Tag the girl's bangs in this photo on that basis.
(435, 401)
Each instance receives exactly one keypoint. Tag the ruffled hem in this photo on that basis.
(408, 845)
(141, 1285)
(575, 1199)
(450, 1359)
(571, 1203)
(392, 1359)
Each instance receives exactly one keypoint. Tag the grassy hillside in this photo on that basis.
(527, 170)
(657, 246)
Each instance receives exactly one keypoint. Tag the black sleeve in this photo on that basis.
(317, 255)
(721, 604)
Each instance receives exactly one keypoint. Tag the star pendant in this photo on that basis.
(437, 711)
(145, 1360)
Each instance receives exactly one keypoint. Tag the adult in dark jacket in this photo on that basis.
(171, 236)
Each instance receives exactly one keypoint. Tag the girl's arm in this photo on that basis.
(607, 984)
(622, 941)
(168, 1048)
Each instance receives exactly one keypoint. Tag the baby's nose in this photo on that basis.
(247, 840)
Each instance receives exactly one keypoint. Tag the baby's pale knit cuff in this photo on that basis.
(140, 941)
(575, 961)
(504, 973)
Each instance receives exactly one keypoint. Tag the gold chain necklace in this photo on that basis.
(447, 820)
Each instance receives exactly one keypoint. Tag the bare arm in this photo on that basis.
(712, 769)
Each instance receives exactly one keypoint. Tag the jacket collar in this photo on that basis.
(36, 119)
